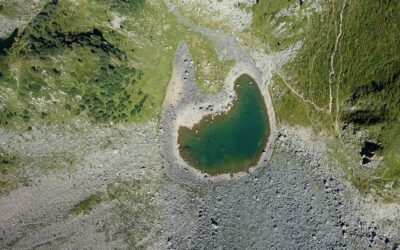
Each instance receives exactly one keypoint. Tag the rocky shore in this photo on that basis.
(185, 105)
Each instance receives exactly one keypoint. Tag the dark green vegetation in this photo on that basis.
(6, 43)
(229, 142)
(350, 83)
(97, 61)
(66, 60)
(124, 6)
(105, 94)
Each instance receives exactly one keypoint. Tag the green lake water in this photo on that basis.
(233, 141)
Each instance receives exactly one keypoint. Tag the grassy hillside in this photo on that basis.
(345, 80)
(97, 61)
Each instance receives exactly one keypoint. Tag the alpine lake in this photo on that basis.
(232, 141)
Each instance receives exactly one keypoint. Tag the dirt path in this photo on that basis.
(299, 95)
(332, 61)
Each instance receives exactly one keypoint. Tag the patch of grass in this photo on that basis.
(210, 73)
(203, 17)
(12, 167)
(86, 205)
(288, 108)
(126, 7)
(133, 211)
(9, 175)
(113, 193)
(279, 23)
(54, 162)
(243, 6)
(105, 145)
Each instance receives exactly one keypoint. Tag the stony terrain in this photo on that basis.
(294, 201)
(105, 186)
(231, 13)
(38, 213)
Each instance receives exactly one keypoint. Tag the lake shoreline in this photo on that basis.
(238, 137)
(185, 105)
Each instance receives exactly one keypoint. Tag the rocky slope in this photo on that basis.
(297, 200)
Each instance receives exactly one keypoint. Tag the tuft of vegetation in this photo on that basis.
(86, 205)
(9, 175)
(52, 162)
(9, 8)
(12, 167)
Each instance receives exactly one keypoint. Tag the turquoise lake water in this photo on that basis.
(233, 141)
